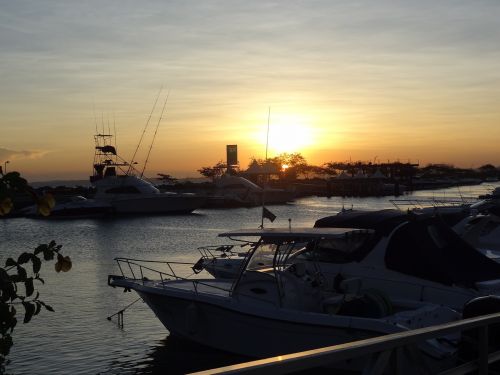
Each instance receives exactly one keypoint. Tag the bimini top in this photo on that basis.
(296, 232)
(384, 221)
(380, 220)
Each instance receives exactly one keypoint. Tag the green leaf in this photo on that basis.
(4, 276)
(48, 254)
(49, 308)
(40, 279)
(30, 289)
(10, 263)
(24, 258)
(40, 249)
(29, 311)
(15, 278)
(21, 273)
(5, 313)
(38, 308)
(5, 344)
(37, 264)
(8, 292)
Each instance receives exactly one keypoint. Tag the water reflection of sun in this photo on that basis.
(288, 133)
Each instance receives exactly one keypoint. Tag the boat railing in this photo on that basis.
(415, 203)
(136, 270)
(222, 251)
(384, 353)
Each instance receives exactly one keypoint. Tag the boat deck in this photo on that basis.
(213, 287)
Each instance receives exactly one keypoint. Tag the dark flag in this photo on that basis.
(268, 214)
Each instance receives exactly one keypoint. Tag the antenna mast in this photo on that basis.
(267, 176)
(154, 136)
(144, 130)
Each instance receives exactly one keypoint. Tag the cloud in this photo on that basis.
(6, 154)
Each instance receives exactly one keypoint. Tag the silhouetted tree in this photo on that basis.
(167, 179)
(287, 166)
(213, 172)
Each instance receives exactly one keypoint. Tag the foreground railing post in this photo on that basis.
(482, 338)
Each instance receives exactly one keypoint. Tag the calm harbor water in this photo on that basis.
(78, 339)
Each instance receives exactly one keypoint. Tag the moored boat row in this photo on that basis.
(355, 275)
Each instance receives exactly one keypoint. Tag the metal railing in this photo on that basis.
(225, 251)
(144, 271)
(380, 350)
(402, 204)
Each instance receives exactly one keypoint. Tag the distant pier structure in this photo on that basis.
(370, 179)
(232, 158)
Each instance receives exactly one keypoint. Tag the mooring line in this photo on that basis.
(120, 313)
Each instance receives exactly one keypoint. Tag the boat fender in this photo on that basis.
(192, 318)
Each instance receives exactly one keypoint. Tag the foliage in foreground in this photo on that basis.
(18, 292)
(19, 277)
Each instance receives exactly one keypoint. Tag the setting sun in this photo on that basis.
(288, 133)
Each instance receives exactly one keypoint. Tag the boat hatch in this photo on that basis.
(292, 233)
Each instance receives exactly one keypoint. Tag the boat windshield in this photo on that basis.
(262, 257)
(268, 254)
(336, 250)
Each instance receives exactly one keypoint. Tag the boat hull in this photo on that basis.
(156, 204)
(242, 333)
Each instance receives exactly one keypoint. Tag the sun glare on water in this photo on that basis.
(288, 133)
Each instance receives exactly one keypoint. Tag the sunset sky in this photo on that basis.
(369, 80)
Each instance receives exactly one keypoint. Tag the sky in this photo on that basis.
(335, 80)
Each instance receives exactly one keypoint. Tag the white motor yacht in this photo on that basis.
(481, 228)
(74, 207)
(408, 256)
(237, 191)
(279, 304)
(117, 183)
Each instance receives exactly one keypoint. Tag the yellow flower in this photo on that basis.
(63, 264)
(49, 198)
(5, 206)
(46, 204)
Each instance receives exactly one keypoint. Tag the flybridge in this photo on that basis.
(106, 159)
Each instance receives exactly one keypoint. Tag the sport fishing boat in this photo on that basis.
(278, 304)
(118, 183)
(73, 207)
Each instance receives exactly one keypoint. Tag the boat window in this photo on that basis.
(123, 190)
(489, 227)
(436, 236)
(263, 256)
(336, 250)
(431, 250)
